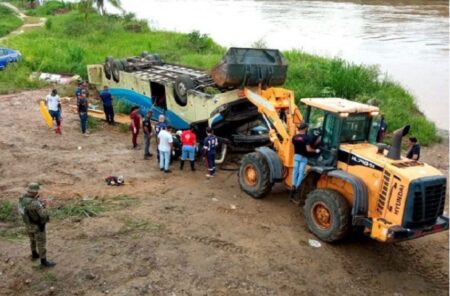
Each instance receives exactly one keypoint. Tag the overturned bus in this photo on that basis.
(191, 97)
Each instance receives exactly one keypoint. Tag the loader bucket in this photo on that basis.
(250, 67)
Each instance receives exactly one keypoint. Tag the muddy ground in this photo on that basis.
(180, 233)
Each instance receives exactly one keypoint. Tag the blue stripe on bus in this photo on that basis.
(145, 103)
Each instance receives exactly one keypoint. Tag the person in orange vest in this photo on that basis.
(188, 140)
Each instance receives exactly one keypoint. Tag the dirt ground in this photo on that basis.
(182, 234)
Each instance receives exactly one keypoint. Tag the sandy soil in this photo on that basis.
(180, 235)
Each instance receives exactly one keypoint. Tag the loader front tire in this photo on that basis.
(327, 213)
(254, 175)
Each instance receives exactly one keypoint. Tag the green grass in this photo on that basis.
(8, 211)
(72, 41)
(81, 209)
(90, 208)
(9, 21)
(13, 233)
(121, 106)
(16, 77)
(134, 226)
(93, 123)
(13, 230)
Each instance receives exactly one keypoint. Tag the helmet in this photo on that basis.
(179, 132)
(33, 187)
(120, 179)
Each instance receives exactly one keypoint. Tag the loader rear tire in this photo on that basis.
(254, 175)
(327, 213)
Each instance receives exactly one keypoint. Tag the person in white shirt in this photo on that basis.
(54, 108)
(165, 143)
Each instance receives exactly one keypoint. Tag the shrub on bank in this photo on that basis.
(16, 77)
(72, 42)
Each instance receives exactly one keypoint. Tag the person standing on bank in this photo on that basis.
(83, 106)
(54, 108)
(188, 140)
(147, 128)
(382, 130)
(135, 124)
(35, 216)
(413, 149)
(165, 143)
(302, 149)
(107, 100)
(209, 147)
(158, 127)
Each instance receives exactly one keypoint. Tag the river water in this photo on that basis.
(408, 39)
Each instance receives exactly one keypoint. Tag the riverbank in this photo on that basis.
(71, 40)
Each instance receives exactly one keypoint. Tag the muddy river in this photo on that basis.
(408, 39)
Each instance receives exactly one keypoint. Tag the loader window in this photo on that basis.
(355, 128)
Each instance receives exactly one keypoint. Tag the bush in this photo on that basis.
(8, 212)
(198, 42)
(51, 8)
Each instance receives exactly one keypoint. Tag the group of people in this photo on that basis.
(168, 143)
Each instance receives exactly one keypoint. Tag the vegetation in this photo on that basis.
(90, 208)
(72, 41)
(93, 123)
(9, 21)
(8, 211)
(17, 77)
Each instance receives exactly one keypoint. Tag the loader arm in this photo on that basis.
(270, 103)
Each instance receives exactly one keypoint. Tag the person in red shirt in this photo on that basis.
(188, 140)
(135, 125)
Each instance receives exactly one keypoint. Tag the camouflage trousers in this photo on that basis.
(37, 239)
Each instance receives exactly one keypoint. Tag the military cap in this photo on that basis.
(33, 187)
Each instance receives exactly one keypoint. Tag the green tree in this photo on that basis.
(100, 4)
(86, 6)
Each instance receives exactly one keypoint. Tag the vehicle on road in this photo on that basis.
(8, 56)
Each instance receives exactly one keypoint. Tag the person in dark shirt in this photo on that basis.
(83, 106)
(302, 148)
(382, 130)
(135, 124)
(107, 100)
(147, 128)
(413, 149)
(209, 147)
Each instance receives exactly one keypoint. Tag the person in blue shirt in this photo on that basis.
(78, 90)
(209, 147)
(107, 100)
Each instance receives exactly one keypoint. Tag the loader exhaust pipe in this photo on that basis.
(395, 149)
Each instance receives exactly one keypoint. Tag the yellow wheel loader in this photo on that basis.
(353, 183)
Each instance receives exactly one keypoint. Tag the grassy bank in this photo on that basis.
(70, 41)
(9, 21)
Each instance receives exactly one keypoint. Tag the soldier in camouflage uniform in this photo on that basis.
(36, 216)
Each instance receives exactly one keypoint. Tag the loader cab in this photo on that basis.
(330, 127)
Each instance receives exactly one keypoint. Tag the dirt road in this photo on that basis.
(179, 233)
